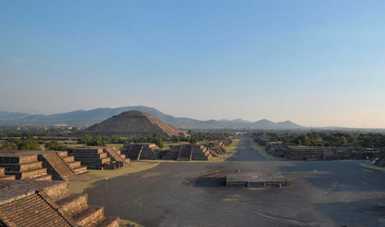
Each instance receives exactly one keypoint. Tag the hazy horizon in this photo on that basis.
(316, 63)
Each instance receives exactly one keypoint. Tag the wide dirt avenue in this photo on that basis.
(321, 193)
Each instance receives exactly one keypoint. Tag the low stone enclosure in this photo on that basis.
(240, 179)
(99, 157)
(279, 149)
(47, 203)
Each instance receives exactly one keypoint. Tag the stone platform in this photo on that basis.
(48, 203)
(92, 157)
(23, 166)
(254, 180)
(61, 165)
(241, 179)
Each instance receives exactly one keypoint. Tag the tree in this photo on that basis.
(7, 145)
(28, 144)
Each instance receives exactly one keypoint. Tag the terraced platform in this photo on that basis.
(34, 203)
(92, 157)
(241, 179)
(24, 166)
(60, 165)
(141, 151)
(117, 157)
(187, 152)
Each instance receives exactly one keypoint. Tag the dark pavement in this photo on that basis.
(334, 193)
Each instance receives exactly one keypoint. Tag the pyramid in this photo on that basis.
(134, 124)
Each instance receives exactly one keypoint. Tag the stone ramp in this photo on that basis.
(56, 166)
(32, 203)
(60, 165)
(24, 166)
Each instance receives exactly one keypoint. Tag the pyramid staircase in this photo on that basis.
(184, 153)
(133, 151)
(51, 205)
(199, 152)
(93, 158)
(141, 151)
(24, 166)
(61, 165)
(76, 207)
(6, 177)
(117, 156)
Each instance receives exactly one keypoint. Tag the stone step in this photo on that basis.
(57, 191)
(8, 177)
(31, 210)
(2, 172)
(86, 151)
(31, 174)
(74, 164)
(86, 155)
(62, 153)
(44, 178)
(14, 158)
(80, 170)
(73, 204)
(90, 216)
(86, 161)
(109, 222)
(68, 159)
(22, 167)
(56, 166)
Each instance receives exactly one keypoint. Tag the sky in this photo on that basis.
(317, 63)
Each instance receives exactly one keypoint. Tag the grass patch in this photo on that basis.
(80, 183)
(262, 151)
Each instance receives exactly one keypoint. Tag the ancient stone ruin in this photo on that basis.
(241, 179)
(141, 151)
(187, 152)
(178, 152)
(99, 157)
(134, 124)
(279, 149)
(61, 165)
(6, 177)
(24, 166)
(47, 203)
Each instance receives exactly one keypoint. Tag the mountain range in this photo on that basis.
(85, 118)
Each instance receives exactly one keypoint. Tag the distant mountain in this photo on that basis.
(134, 123)
(85, 118)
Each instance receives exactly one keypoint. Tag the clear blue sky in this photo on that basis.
(318, 63)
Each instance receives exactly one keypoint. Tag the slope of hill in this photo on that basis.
(85, 118)
(134, 123)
